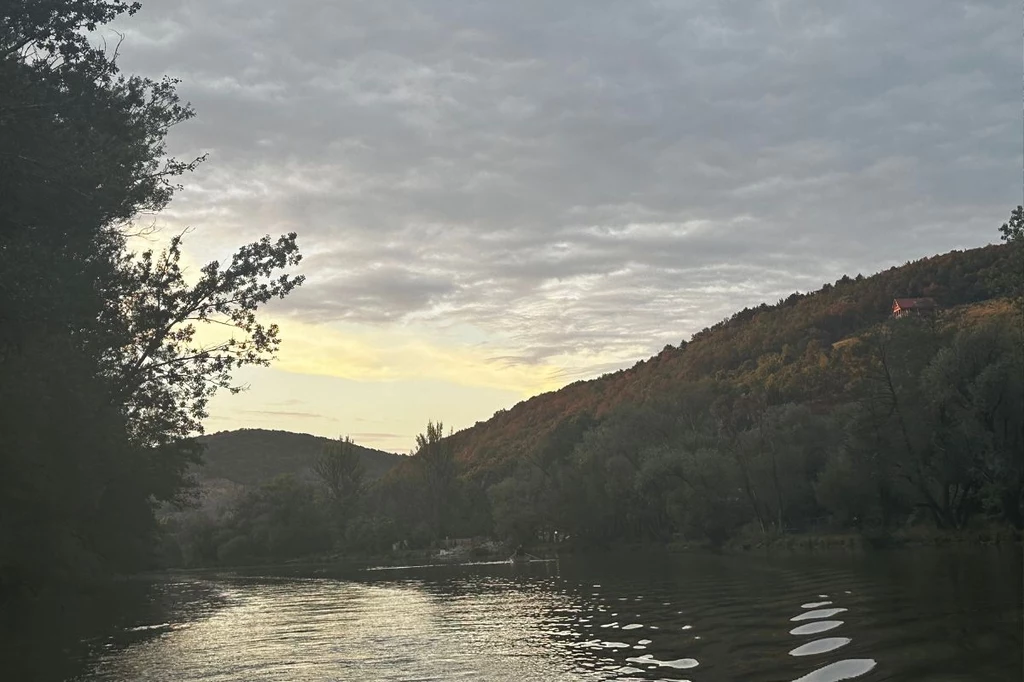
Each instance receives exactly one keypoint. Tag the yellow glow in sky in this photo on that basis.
(379, 386)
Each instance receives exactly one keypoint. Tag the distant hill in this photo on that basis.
(785, 347)
(252, 456)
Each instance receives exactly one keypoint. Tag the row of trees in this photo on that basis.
(335, 508)
(784, 348)
(912, 421)
(930, 431)
(104, 379)
(933, 432)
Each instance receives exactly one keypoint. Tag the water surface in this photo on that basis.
(923, 615)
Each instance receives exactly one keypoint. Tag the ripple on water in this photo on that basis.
(820, 646)
(143, 628)
(815, 604)
(632, 626)
(815, 628)
(840, 670)
(678, 664)
(817, 613)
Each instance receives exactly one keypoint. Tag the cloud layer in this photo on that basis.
(575, 184)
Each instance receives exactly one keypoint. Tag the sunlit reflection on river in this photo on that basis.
(903, 616)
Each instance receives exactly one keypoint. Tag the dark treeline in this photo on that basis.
(104, 379)
(912, 422)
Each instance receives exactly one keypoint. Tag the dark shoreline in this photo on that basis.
(796, 543)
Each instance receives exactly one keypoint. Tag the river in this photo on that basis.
(901, 615)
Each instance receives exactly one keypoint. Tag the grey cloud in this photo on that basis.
(379, 294)
(286, 413)
(590, 177)
(372, 435)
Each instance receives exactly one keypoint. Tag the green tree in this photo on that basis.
(975, 389)
(518, 505)
(341, 471)
(709, 504)
(160, 371)
(102, 382)
(1011, 281)
(278, 520)
(434, 460)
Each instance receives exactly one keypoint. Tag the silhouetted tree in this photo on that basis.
(341, 471)
(435, 461)
(102, 382)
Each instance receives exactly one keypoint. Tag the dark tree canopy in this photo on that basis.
(104, 371)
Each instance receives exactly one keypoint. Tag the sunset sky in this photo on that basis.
(495, 199)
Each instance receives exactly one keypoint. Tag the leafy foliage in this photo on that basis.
(793, 351)
(763, 426)
(102, 381)
(818, 413)
(159, 371)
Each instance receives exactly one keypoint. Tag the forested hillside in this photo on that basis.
(785, 349)
(819, 413)
(253, 456)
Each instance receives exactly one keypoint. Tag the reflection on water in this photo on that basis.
(820, 646)
(818, 613)
(815, 628)
(831, 672)
(840, 670)
(907, 616)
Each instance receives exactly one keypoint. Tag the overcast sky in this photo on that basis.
(498, 198)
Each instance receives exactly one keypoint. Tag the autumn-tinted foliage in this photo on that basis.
(820, 412)
(784, 349)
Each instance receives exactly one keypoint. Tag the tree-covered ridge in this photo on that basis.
(254, 456)
(822, 413)
(786, 347)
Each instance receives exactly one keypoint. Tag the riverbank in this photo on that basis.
(355, 561)
(908, 538)
(767, 544)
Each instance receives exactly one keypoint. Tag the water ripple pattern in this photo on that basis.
(820, 646)
(700, 618)
(835, 671)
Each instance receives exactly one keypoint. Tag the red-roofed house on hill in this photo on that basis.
(901, 307)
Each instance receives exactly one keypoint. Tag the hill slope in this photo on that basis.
(252, 456)
(783, 345)
(817, 414)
